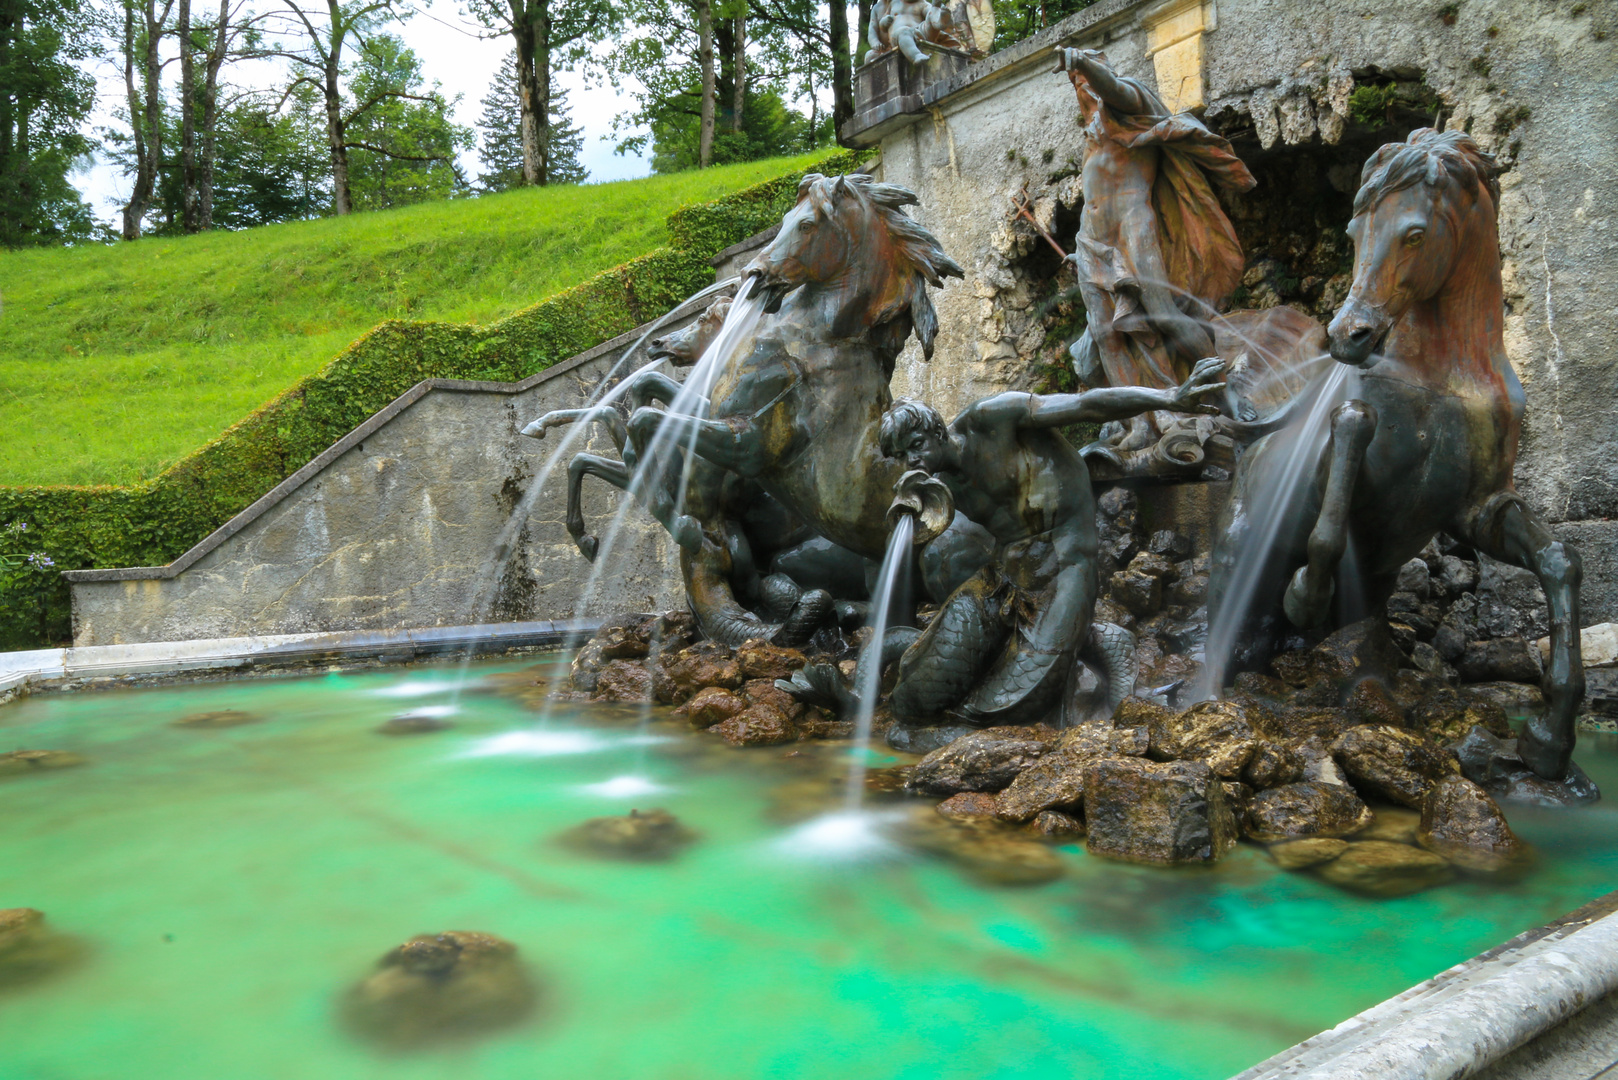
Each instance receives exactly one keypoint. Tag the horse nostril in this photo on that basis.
(1361, 335)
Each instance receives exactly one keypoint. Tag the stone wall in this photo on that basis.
(1305, 91)
(397, 525)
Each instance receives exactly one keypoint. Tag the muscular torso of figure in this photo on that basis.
(1117, 183)
(1025, 483)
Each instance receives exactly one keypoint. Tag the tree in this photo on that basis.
(44, 100)
(500, 147)
(402, 138)
(795, 39)
(548, 36)
(199, 106)
(704, 9)
(1018, 19)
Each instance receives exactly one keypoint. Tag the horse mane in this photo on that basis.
(1430, 157)
(917, 248)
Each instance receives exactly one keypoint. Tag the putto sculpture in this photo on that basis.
(905, 24)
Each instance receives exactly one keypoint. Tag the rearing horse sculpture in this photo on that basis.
(1429, 442)
(799, 406)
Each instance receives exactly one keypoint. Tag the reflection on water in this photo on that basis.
(228, 887)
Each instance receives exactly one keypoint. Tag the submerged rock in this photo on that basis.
(1303, 809)
(19, 762)
(30, 949)
(1162, 813)
(984, 760)
(1302, 854)
(221, 718)
(1394, 763)
(992, 853)
(1380, 868)
(646, 835)
(1395, 824)
(1056, 826)
(1460, 822)
(413, 724)
(625, 681)
(757, 725)
(969, 805)
(438, 987)
(1273, 765)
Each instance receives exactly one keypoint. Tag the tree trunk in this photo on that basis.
(542, 88)
(739, 72)
(145, 116)
(531, 120)
(210, 117)
(863, 42)
(188, 120)
(342, 200)
(842, 67)
(705, 37)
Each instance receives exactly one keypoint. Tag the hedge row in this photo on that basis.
(154, 522)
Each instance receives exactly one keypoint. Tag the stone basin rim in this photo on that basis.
(1468, 1017)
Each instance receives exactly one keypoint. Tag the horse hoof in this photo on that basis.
(588, 545)
(1302, 610)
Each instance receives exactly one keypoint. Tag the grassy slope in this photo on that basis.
(115, 361)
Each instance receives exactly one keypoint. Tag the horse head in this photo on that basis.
(1413, 215)
(686, 345)
(849, 234)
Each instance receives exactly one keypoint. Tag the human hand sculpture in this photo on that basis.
(1199, 384)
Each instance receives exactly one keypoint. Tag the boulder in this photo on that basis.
(441, 987)
(638, 835)
(765, 692)
(1358, 651)
(761, 660)
(1391, 762)
(1055, 781)
(625, 681)
(1257, 684)
(1318, 764)
(1213, 731)
(969, 805)
(1379, 868)
(1371, 703)
(757, 725)
(1139, 593)
(1494, 765)
(1155, 564)
(219, 718)
(710, 706)
(1302, 854)
(815, 724)
(625, 640)
(1444, 716)
(1095, 740)
(1159, 813)
(22, 762)
(1463, 824)
(925, 739)
(1273, 765)
(1056, 826)
(1237, 797)
(984, 760)
(1395, 824)
(1509, 658)
(708, 663)
(1307, 808)
(1139, 712)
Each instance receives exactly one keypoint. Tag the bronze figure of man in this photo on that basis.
(1000, 649)
(1156, 255)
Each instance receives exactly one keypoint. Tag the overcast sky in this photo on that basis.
(452, 53)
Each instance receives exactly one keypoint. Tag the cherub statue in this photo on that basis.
(904, 24)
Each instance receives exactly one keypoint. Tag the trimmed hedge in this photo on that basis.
(153, 523)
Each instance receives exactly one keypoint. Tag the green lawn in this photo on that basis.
(116, 361)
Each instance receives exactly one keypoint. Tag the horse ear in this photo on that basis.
(924, 319)
(840, 191)
(808, 181)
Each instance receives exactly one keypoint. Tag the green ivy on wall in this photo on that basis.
(153, 523)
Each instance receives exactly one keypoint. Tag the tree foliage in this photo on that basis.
(500, 149)
(401, 138)
(44, 102)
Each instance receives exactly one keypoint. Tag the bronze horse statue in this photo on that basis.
(798, 407)
(1429, 439)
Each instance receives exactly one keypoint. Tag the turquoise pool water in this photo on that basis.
(228, 885)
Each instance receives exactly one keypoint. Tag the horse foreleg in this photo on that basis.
(650, 386)
(604, 414)
(1309, 595)
(1511, 532)
(582, 465)
(736, 444)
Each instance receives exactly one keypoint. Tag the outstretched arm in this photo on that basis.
(1093, 67)
(1122, 402)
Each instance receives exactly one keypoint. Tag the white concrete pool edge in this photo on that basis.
(1470, 1016)
(36, 668)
